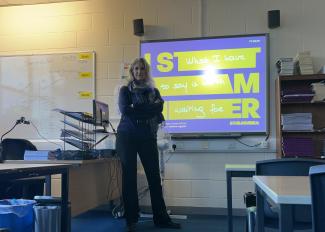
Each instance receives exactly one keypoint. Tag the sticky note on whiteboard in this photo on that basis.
(85, 75)
(85, 56)
(85, 94)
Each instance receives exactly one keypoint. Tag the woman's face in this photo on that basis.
(139, 72)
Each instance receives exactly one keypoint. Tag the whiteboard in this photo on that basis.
(31, 86)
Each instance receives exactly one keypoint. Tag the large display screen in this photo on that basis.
(212, 85)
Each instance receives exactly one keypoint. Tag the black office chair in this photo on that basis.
(317, 187)
(14, 149)
(287, 167)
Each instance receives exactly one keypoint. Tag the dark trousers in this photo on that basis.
(128, 146)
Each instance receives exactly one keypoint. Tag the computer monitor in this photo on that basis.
(101, 113)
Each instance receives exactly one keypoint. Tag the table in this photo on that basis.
(18, 171)
(235, 170)
(100, 180)
(285, 191)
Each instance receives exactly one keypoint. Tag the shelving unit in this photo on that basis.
(317, 109)
(78, 130)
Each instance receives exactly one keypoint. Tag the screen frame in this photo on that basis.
(266, 87)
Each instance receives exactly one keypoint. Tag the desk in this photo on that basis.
(285, 191)
(18, 171)
(99, 179)
(235, 170)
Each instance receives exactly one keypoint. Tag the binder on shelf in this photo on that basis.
(298, 146)
(297, 95)
(297, 122)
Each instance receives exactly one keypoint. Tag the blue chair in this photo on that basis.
(286, 167)
(317, 187)
(14, 149)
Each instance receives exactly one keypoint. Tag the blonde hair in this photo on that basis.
(148, 79)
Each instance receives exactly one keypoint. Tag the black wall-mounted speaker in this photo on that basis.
(274, 18)
(138, 28)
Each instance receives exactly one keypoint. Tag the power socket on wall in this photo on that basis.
(205, 145)
(264, 144)
(179, 145)
(232, 146)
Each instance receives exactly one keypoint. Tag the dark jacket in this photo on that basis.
(140, 119)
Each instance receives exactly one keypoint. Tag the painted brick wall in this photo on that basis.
(105, 26)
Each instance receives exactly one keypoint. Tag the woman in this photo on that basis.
(141, 106)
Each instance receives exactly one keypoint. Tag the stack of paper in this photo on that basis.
(297, 94)
(298, 146)
(322, 70)
(319, 90)
(304, 63)
(297, 122)
(285, 66)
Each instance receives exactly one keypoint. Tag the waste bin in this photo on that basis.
(48, 214)
(17, 215)
(47, 218)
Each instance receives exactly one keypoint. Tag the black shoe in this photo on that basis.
(168, 225)
(131, 227)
